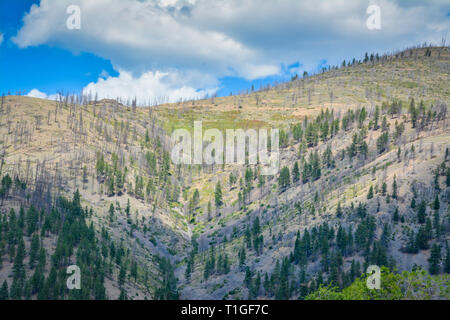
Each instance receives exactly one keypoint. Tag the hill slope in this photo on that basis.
(365, 147)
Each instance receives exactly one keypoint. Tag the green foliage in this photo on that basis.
(435, 258)
(295, 173)
(218, 195)
(394, 188)
(421, 212)
(408, 285)
(168, 289)
(382, 142)
(370, 193)
(284, 179)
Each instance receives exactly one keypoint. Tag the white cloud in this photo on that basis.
(244, 38)
(1, 38)
(139, 36)
(35, 93)
(149, 88)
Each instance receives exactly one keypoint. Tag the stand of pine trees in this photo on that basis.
(39, 270)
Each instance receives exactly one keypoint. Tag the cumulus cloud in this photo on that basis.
(149, 88)
(35, 93)
(140, 36)
(243, 38)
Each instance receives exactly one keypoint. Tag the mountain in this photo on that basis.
(363, 179)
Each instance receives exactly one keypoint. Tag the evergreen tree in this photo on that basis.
(123, 295)
(421, 212)
(413, 113)
(295, 173)
(242, 256)
(435, 258)
(447, 179)
(370, 193)
(18, 272)
(34, 250)
(111, 212)
(447, 260)
(339, 210)
(394, 188)
(122, 274)
(437, 224)
(134, 270)
(384, 188)
(284, 180)
(376, 118)
(411, 246)
(436, 203)
(128, 208)
(413, 203)
(248, 277)
(4, 293)
(395, 216)
(382, 142)
(422, 238)
(218, 195)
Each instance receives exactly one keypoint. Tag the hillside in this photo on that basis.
(364, 179)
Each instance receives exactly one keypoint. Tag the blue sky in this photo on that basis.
(166, 50)
(40, 67)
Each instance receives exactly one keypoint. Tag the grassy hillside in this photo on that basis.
(364, 179)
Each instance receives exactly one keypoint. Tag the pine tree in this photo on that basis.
(436, 203)
(111, 186)
(37, 280)
(421, 212)
(411, 246)
(18, 272)
(284, 180)
(209, 210)
(447, 179)
(242, 256)
(226, 264)
(256, 286)
(295, 173)
(422, 238)
(218, 195)
(122, 275)
(370, 193)
(32, 220)
(413, 203)
(339, 210)
(123, 294)
(315, 165)
(376, 118)
(34, 250)
(341, 239)
(395, 215)
(134, 271)
(189, 265)
(111, 213)
(447, 260)
(128, 208)
(437, 224)
(4, 293)
(382, 142)
(435, 258)
(248, 277)
(413, 113)
(384, 188)
(394, 188)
